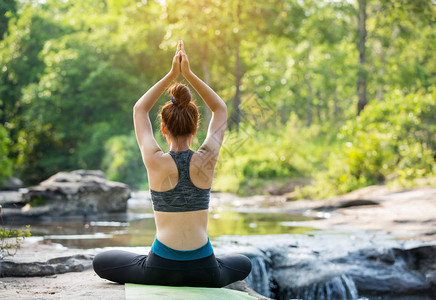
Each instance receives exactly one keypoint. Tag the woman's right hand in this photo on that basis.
(175, 67)
(184, 65)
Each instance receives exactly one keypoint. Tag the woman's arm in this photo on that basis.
(217, 125)
(143, 129)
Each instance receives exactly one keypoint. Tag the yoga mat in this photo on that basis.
(141, 291)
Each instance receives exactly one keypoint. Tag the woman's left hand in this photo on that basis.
(176, 69)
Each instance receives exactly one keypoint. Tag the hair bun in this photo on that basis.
(180, 115)
(181, 94)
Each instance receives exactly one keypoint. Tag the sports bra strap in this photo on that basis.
(182, 162)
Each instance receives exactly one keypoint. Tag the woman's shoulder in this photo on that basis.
(204, 159)
(159, 160)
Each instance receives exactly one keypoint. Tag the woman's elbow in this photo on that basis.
(224, 107)
(135, 108)
(138, 110)
(222, 110)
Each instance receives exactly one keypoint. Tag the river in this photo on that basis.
(292, 256)
(137, 228)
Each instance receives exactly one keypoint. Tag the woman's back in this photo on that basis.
(180, 191)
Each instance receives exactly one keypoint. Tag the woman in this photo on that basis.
(180, 181)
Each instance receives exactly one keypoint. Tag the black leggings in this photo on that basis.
(126, 267)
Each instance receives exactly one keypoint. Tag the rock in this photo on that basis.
(11, 199)
(392, 270)
(59, 265)
(76, 193)
(11, 184)
(312, 267)
(364, 193)
(358, 202)
(38, 258)
(346, 204)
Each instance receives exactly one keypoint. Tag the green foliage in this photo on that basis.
(293, 152)
(5, 162)
(122, 161)
(393, 135)
(71, 71)
(391, 140)
(72, 80)
(38, 201)
(8, 8)
(90, 150)
(11, 240)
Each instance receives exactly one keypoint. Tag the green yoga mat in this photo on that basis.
(140, 291)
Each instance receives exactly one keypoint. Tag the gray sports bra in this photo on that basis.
(185, 196)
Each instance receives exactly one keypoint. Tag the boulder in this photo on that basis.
(58, 265)
(76, 193)
(11, 184)
(11, 199)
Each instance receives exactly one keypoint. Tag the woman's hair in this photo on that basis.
(180, 114)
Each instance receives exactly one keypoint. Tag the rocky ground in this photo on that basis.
(72, 285)
(406, 214)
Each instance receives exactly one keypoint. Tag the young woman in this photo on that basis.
(180, 182)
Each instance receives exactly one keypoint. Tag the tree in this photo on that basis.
(65, 77)
(400, 40)
(71, 71)
(361, 81)
(21, 66)
(8, 9)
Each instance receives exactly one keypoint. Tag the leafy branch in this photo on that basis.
(11, 239)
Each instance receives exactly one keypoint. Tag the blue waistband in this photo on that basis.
(169, 253)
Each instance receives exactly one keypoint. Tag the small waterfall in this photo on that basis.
(336, 288)
(259, 278)
(339, 287)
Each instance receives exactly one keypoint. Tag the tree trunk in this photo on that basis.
(335, 100)
(235, 119)
(361, 81)
(309, 90)
(319, 106)
(206, 74)
(381, 73)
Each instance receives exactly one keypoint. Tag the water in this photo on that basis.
(308, 267)
(338, 288)
(259, 278)
(137, 227)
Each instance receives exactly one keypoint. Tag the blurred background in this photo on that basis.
(324, 96)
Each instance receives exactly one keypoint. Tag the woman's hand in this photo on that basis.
(185, 69)
(176, 66)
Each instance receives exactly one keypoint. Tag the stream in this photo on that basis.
(136, 228)
(292, 258)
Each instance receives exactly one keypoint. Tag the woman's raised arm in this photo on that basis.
(217, 125)
(141, 119)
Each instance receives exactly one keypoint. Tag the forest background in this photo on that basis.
(326, 96)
